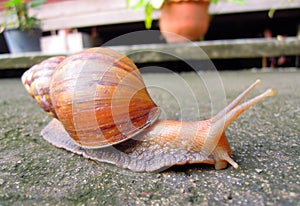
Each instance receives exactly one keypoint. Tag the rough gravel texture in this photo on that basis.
(265, 143)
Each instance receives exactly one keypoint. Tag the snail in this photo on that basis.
(102, 110)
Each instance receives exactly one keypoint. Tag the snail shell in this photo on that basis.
(37, 82)
(99, 84)
(103, 111)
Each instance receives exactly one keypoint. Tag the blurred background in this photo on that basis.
(69, 26)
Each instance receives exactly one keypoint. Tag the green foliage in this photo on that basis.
(151, 5)
(17, 15)
(273, 10)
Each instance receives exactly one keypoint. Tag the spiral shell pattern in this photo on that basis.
(98, 95)
(37, 81)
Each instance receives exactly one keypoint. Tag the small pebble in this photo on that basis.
(259, 171)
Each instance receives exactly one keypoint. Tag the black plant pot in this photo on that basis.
(23, 41)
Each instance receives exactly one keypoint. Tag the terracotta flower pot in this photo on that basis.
(188, 19)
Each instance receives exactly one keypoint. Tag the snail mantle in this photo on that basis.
(102, 110)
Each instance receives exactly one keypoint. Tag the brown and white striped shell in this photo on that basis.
(97, 94)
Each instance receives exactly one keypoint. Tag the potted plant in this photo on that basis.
(22, 30)
(187, 18)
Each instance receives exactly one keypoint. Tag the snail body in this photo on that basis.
(102, 110)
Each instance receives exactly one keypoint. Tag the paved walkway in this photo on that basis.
(265, 143)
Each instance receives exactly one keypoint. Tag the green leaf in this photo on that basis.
(36, 3)
(140, 4)
(271, 13)
(13, 3)
(19, 8)
(148, 21)
(237, 1)
(127, 4)
(157, 4)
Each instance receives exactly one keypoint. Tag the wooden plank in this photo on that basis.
(24, 60)
(224, 7)
(93, 19)
(75, 8)
(220, 49)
